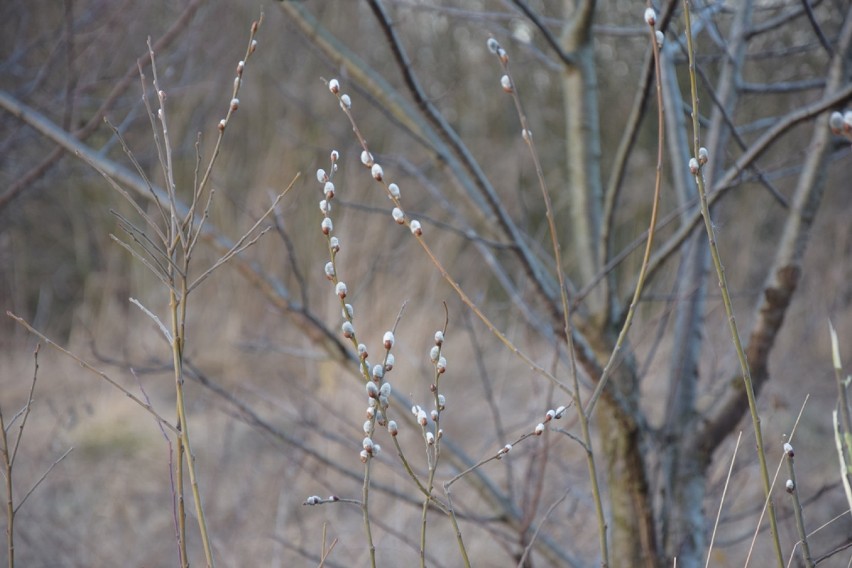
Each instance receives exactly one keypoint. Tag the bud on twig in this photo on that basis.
(372, 389)
(341, 290)
(398, 215)
(693, 166)
(377, 172)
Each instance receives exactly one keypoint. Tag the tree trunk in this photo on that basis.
(583, 145)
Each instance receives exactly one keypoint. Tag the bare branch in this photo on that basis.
(42, 478)
(94, 121)
(166, 333)
(806, 4)
(94, 370)
(243, 242)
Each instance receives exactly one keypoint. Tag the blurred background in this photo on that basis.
(282, 404)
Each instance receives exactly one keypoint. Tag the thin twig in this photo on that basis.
(154, 317)
(141, 171)
(722, 500)
(806, 4)
(142, 260)
(144, 241)
(26, 410)
(243, 242)
(528, 547)
(40, 479)
(793, 490)
(9, 460)
(94, 370)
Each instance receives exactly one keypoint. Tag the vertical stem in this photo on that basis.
(423, 533)
(842, 397)
(181, 505)
(566, 322)
(10, 506)
(593, 472)
(430, 484)
(9, 464)
(365, 493)
(455, 523)
(178, 318)
(726, 297)
(797, 511)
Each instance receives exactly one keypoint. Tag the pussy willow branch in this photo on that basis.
(726, 298)
(549, 549)
(793, 490)
(434, 457)
(455, 285)
(643, 270)
(625, 147)
(566, 314)
(438, 139)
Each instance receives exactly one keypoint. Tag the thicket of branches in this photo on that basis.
(562, 240)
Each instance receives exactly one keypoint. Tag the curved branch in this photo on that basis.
(566, 58)
(817, 29)
(625, 148)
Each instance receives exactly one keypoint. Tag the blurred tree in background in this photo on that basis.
(426, 93)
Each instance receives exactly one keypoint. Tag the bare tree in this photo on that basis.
(650, 414)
